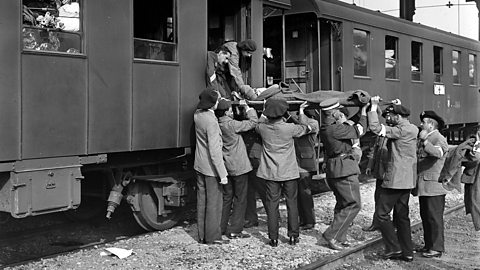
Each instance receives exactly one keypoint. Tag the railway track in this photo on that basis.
(338, 259)
(71, 247)
(125, 228)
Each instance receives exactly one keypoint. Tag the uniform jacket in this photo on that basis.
(457, 157)
(376, 157)
(305, 148)
(216, 76)
(431, 156)
(278, 160)
(236, 72)
(401, 162)
(208, 152)
(337, 141)
(234, 150)
(253, 142)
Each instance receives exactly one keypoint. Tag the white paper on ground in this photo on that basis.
(120, 252)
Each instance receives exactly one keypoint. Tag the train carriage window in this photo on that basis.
(456, 66)
(52, 25)
(360, 52)
(437, 63)
(417, 63)
(391, 57)
(154, 30)
(472, 69)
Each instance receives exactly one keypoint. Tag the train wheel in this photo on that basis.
(148, 217)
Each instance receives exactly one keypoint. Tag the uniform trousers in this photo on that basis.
(234, 203)
(256, 186)
(431, 212)
(306, 210)
(209, 208)
(396, 199)
(274, 192)
(376, 195)
(347, 195)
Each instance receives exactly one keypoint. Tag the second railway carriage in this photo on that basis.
(332, 45)
(97, 97)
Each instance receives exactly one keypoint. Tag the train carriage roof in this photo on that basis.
(335, 9)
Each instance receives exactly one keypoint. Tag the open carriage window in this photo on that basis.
(417, 62)
(360, 52)
(52, 25)
(456, 64)
(437, 63)
(472, 69)
(391, 57)
(154, 30)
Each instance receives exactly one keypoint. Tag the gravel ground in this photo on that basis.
(178, 248)
(462, 250)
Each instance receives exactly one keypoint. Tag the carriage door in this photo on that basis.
(331, 70)
(223, 22)
(300, 52)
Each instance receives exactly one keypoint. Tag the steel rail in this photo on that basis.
(335, 260)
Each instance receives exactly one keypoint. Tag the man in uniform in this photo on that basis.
(256, 185)
(375, 166)
(217, 75)
(432, 149)
(398, 180)
(209, 169)
(306, 158)
(238, 166)
(240, 57)
(278, 165)
(341, 169)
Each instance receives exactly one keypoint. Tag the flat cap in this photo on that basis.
(329, 104)
(224, 104)
(397, 109)
(275, 108)
(247, 45)
(433, 115)
(208, 98)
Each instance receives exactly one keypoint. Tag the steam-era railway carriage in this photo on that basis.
(98, 96)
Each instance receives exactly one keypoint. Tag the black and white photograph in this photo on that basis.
(240, 134)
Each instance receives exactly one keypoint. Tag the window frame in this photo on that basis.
(367, 51)
(439, 75)
(174, 43)
(475, 74)
(395, 60)
(420, 64)
(457, 66)
(80, 33)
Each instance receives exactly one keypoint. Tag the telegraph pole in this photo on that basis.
(407, 9)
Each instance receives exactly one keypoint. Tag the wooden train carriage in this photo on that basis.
(104, 91)
(82, 81)
(107, 89)
(328, 44)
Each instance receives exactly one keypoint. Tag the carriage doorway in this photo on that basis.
(227, 20)
(291, 52)
(331, 69)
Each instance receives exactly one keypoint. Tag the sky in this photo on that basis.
(461, 18)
